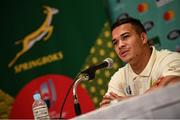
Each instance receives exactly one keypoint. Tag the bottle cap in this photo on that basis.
(36, 96)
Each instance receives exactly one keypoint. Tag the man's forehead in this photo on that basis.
(124, 28)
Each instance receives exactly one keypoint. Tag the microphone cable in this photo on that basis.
(69, 89)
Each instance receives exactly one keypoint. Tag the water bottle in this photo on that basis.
(39, 108)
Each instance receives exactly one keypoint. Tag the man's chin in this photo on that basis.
(126, 60)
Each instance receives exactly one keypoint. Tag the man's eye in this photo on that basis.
(114, 42)
(125, 37)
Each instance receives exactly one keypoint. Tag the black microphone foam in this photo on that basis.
(107, 63)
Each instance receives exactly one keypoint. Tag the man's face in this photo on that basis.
(128, 43)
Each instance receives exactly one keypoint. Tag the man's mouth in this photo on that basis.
(123, 53)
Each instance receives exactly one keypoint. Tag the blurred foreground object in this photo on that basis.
(163, 103)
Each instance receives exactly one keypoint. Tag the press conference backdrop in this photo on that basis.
(44, 44)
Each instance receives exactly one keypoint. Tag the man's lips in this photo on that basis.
(123, 53)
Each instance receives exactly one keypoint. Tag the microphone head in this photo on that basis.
(109, 62)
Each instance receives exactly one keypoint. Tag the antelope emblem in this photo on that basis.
(44, 31)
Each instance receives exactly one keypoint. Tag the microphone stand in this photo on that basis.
(76, 102)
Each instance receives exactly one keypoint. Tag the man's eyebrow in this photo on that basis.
(124, 33)
(120, 36)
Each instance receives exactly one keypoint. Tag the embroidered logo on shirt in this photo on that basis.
(172, 67)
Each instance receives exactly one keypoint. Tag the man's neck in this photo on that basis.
(141, 63)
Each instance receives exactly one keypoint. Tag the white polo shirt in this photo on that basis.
(162, 63)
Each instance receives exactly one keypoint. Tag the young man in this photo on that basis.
(146, 68)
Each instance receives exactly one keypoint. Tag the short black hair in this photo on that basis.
(135, 22)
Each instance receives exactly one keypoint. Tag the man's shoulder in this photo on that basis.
(119, 75)
(164, 57)
(165, 53)
(121, 69)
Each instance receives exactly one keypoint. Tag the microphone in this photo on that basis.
(107, 63)
(90, 74)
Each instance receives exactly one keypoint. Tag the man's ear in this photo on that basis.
(144, 37)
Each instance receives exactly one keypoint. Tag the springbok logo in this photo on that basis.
(44, 31)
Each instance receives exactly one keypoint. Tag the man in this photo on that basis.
(146, 68)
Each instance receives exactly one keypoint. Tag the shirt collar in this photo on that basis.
(146, 72)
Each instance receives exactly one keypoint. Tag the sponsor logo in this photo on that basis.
(160, 3)
(168, 15)
(174, 34)
(43, 32)
(142, 7)
(148, 25)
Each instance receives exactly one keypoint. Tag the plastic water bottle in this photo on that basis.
(39, 108)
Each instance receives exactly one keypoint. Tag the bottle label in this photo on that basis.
(40, 112)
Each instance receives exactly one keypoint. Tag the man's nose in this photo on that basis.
(121, 44)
